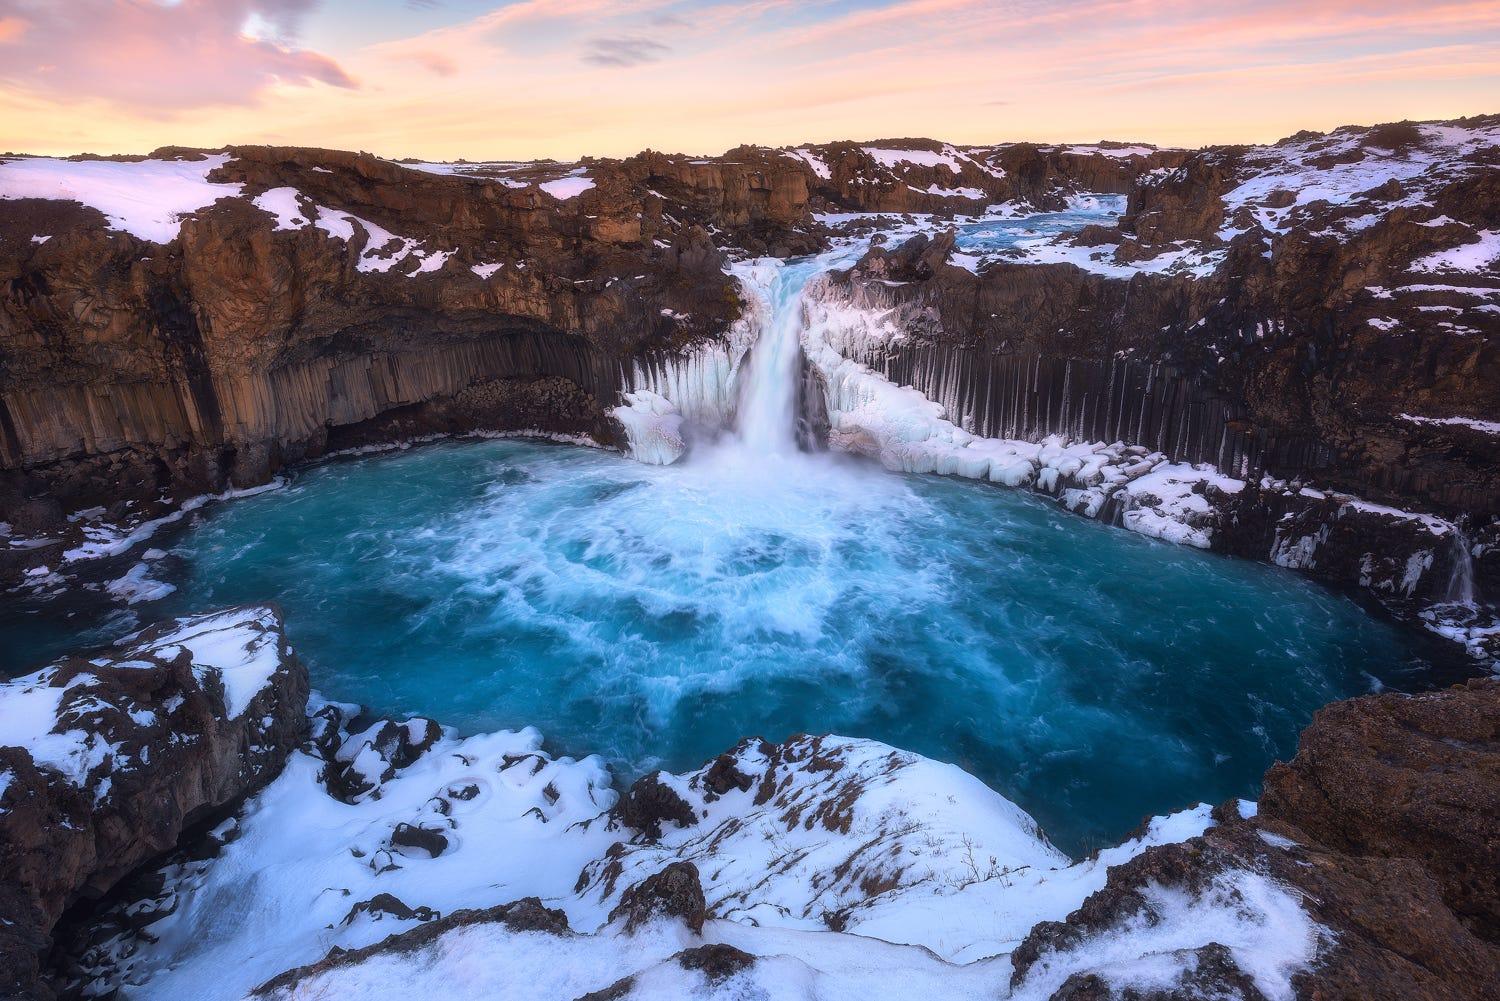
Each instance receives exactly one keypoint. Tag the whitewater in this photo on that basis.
(1039, 672)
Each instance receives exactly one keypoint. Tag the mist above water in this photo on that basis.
(657, 615)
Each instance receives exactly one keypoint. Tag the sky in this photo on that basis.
(523, 79)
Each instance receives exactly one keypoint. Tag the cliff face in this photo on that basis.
(1312, 326)
(109, 761)
(293, 305)
(190, 321)
(1383, 824)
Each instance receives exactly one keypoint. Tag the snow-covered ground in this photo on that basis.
(1349, 170)
(145, 198)
(931, 879)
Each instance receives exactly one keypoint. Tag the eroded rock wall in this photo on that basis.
(111, 759)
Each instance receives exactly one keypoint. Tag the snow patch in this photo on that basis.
(147, 198)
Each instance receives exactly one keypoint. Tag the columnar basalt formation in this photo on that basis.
(1322, 311)
(307, 290)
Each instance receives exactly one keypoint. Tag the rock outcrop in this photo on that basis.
(109, 760)
(1383, 825)
(1416, 779)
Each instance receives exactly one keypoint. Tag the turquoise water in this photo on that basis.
(1002, 234)
(656, 615)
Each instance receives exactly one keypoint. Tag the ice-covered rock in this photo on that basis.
(653, 427)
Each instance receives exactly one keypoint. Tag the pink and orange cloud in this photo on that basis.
(562, 78)
(151, 57)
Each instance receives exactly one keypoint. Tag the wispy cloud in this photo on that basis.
(627, 50)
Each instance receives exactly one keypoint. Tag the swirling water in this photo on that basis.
(657, 615)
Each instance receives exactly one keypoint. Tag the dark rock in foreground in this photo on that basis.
(118, 755)
(1384, 825)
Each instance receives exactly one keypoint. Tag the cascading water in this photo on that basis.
(1461, 582)
(766, 414)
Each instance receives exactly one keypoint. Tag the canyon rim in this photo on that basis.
(997, 564)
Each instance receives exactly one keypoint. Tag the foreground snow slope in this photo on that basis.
(838, 860)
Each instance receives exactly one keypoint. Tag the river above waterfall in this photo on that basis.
(657, 615)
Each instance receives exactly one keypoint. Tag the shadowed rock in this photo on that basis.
(674, 892)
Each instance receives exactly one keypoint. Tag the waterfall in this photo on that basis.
(766, 416)
(756, 385)
(780, 408)
(1461, 580)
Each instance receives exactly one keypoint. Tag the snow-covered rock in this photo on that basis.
(104, 762)
(819, 846)
(146, 198)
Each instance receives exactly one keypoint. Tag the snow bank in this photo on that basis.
(383, 250)
(499, 813)
(145, 198)
(1183, 259)
(1261, 923)
(239, 649)
(921, 866)
(1114, 152)
(1171, 502)
(29, 713)
(1473, 424)
(565, 188)
(1478, 257)
(871, 840)
(893, 158)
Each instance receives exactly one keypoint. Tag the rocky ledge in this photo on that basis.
(397, 859)
(109, 761)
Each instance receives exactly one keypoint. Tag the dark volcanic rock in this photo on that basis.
(1403, 910)
(384, 905)
(1406, 778)
(144, 743)
(674, 892)
(649, 803)
(716, 962)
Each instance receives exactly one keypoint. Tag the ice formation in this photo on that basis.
(795, 318)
